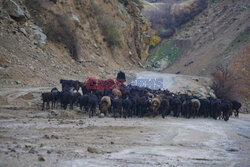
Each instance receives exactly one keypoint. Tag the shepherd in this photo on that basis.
(120, 79)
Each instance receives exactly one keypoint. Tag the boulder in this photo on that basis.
(76, 18)
(39, 37)
(101, 115)
(22, 30)
(40, 158)
(4, 14)
(92, 150)
(13, 9)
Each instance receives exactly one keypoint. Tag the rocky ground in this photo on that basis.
(70, 138)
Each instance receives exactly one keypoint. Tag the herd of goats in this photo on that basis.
(117, 99)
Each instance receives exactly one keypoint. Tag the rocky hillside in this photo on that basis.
(218, 35)
(44, 40)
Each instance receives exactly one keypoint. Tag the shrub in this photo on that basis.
(169, 50)
(108, 26)
(241, 68)
(140, 3)
(155, 40)
(56, 27)
(225, 83)
(110, 31)
(59, 30)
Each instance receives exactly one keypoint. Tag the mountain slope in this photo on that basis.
(212, 34)
(69, 39)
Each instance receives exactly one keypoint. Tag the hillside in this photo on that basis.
(43, 41)
(218, 35)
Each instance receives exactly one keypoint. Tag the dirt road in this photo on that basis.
(67, 138)
(30, 137)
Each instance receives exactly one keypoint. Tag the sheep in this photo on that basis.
(105, 104)
(195, 107)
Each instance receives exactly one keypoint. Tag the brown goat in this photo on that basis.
(117, 93)
(105, 104)
(155, 104)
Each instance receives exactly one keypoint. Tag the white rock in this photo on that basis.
(75, 18)
(22, 30)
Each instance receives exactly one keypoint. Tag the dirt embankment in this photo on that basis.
(43, 41)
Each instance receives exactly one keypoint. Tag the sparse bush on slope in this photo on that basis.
(110, 31)
(241, 68)
(225, 83)
(57, 28)
(60, 31)
(108, 26)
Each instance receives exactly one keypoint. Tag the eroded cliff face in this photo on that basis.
(44, 40)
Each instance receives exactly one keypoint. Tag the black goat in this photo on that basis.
(66, 99)
(127, 107)
(47, 98)
(84, 102)
(92, 104)
(236, 106)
